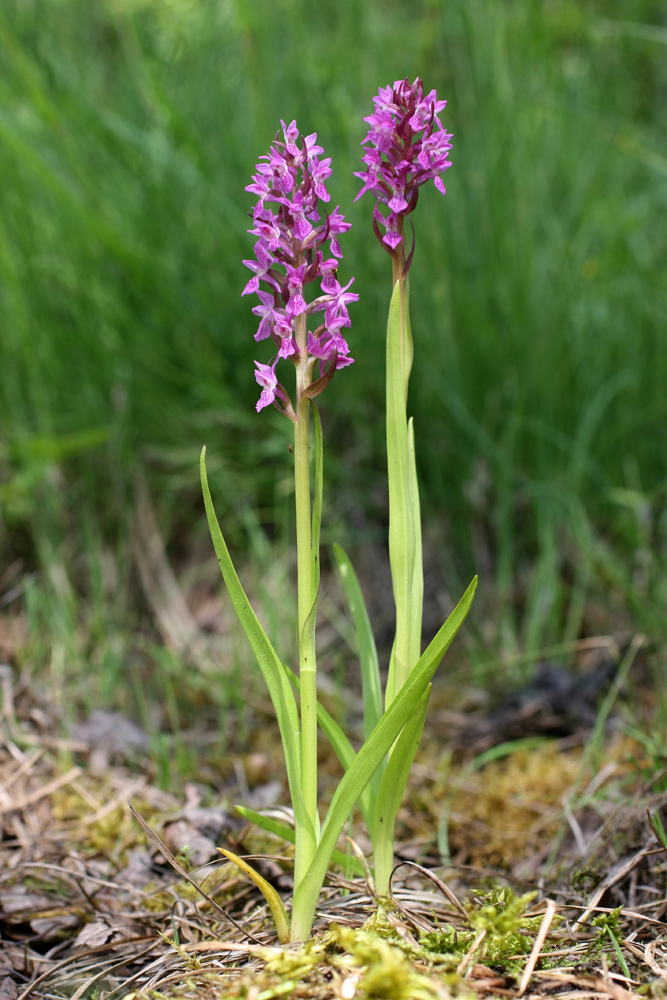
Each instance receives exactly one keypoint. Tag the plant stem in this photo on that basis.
(308, 836)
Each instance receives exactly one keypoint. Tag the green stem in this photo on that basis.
(308, 835)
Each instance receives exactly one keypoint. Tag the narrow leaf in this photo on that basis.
(341, 747)
(275, 903)
(374, 749)
(272, 669)
(368, 657)
(391, 793)
(416, 596)
(288, 833)
(317, 500)
(402, 481)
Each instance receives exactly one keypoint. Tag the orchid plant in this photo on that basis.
(297, 245)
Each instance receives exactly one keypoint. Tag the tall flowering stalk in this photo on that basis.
(406, 146)
(290, 184)
(297, 245)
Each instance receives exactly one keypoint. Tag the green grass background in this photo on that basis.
(128, 131)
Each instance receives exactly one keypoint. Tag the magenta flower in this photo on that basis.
(265, 312)
(266, 377)
(292, 237)
(296, 303)
(261, 267)
(335, 304)
(407, 146)
(327, 346)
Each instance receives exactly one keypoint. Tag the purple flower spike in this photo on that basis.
(291, 252)
(406, 147)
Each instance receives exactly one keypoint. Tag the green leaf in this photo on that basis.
(417, 571)
(317, 500)
(307, 637)
(404, 528)
(288, 833)
(374, 749)
(270, 664)
(368, 658)
(391, 793)
(340, 745)
(619, 954)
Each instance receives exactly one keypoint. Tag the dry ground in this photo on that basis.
(90, 906)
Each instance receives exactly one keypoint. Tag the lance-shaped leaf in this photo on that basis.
(307, 636)
(404, 529)
(341, 747)
(269, 662)
(416, 571)
(367, 760)
(288, 833)
(391, 793)
(317, 499)
(371, 684)
(368, 658)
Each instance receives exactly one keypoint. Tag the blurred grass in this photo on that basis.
(128, 130)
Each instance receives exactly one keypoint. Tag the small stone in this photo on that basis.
(8, 989)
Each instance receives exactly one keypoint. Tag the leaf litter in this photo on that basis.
(554, 882)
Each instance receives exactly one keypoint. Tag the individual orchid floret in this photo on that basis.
(406, 147)
(272, 391)
(261, 267)
(329, 347)
(266, 377)
(321, 172)
(335, 304)
(296, 303)
(296, 245)
(266, 315)
(291, 135)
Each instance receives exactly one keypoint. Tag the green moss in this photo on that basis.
(605, 922)
(388, 973)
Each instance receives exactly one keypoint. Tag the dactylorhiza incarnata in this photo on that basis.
(291, 237)
(407, 146)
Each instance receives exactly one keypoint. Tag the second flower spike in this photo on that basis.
(407, 146)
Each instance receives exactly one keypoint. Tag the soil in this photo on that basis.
(92, 905)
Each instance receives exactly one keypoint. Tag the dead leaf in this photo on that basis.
(95, 935)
